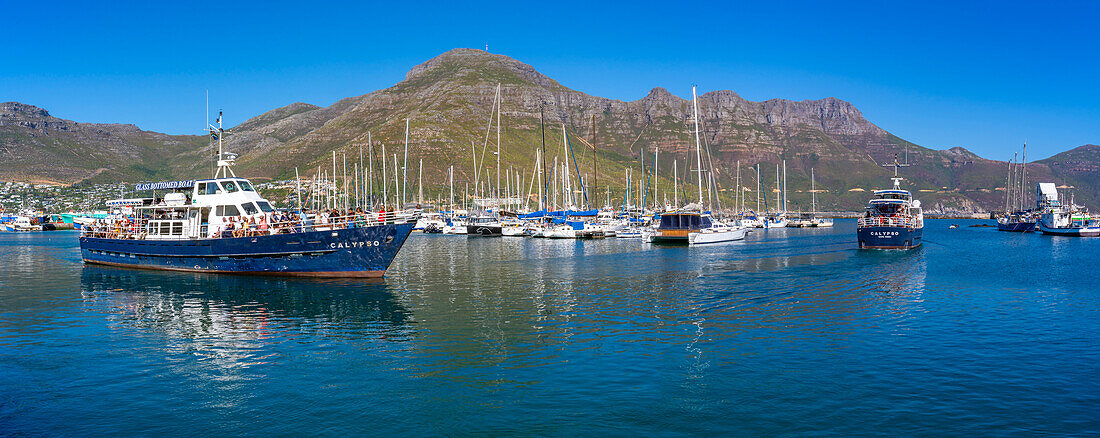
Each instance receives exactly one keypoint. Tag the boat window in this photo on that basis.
(165, 228)
(212, 188)
(177, 228)
(201, 189)
(245, 186)
(151, 228)
(227, 210)
(230, 186)
(265, 206)
(249, 209)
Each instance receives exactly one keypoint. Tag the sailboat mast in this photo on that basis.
(813, 193)
(655, 149)
(385, 180)
(1023, 178)
(405, 169)
(497, 187)
(370, 158)
(698, 148)
(595, 177)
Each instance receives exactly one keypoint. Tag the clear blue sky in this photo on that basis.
(982, 75)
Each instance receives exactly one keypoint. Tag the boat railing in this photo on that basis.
(139, 229)
(889, 221)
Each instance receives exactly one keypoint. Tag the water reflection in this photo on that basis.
(233, 320)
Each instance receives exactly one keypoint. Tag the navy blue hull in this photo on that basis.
(1019, 227)
(889, 237)
(351, 252)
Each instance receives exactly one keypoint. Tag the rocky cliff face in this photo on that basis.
(448, 100)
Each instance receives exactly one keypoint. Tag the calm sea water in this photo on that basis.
(791, 332)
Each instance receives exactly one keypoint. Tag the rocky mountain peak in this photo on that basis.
(22, 109)
(481, 65)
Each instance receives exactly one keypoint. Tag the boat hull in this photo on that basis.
(484, 230)
(1016, 227)
(351, 252)
(725, 235)
(886, 237)
(1070, 232)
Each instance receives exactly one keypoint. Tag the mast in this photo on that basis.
(332, 198)
(499, 104)
(542, 170)
(739, 196)
(1008, 185)
(405, 169)
(655, 148)
(813, 194)
(759, 188)
(698, 148)
(1023, 178)
(370, 155)
(451, 179)
(298, 188)
(784, 186)
(420, 183)
(385, 181)
(363, 190)
(675, 184)
(565, 152)
(345, 194)
(538, 166)
(595, 177)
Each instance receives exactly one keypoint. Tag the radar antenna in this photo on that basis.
(225, 160)
(896, 164)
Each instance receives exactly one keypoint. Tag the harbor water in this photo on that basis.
(790, 332)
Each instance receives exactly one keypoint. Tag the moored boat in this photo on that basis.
(1060, 219)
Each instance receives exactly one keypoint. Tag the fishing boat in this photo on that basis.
(1060, 219)
(893, 219)
(223, 225)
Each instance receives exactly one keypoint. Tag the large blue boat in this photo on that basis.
(223, 225)
(893, 219)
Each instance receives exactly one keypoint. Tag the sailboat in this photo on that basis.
(815, 221)
(691, 224)
(1016, 218)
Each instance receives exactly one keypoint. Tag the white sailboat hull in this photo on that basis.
(717, 235)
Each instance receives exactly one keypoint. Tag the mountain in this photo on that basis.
(37, 147)
(448, 100)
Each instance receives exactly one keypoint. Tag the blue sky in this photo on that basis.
(982, 75)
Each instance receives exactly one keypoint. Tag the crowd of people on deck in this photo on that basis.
(262, 224)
